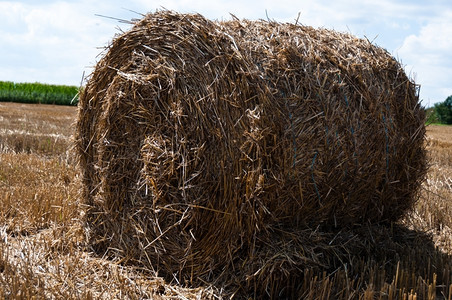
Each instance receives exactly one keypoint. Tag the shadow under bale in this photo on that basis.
(210, 150)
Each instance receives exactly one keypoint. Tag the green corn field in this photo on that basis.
(38, 93)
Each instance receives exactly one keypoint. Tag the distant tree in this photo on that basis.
(443, 111)
(430, 115)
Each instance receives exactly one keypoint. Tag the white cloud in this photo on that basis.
(52, 42)
(428, 54)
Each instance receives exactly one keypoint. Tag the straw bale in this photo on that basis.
(211, 150)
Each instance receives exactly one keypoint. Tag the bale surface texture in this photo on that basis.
(209, 149)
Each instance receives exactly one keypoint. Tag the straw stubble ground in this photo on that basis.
(43, 252)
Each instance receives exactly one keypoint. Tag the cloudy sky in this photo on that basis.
(56, 41)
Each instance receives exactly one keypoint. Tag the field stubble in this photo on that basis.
(43, 253)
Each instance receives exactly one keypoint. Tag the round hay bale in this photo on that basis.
(204, 144)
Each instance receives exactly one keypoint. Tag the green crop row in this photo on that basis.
(38, 93)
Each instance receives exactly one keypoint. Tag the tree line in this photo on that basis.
(442, 112)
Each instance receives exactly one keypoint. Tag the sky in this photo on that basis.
(59, 42)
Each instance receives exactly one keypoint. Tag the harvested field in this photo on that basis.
(43, 253)
(38, 130)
